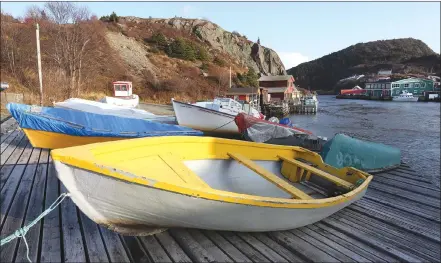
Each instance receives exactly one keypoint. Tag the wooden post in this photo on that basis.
(40, 77)
(230, 78)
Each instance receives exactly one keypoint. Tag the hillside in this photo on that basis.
(401, 55)
(181, 58)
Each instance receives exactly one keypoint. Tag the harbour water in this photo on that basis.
(413, 127)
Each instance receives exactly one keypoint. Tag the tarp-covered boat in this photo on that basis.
(257, 130)
(135, 186)
(52, 128)
(109, 109)
(344, 151)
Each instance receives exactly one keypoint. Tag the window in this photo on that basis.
(423, 85)
(416, 85)
(368, 86)
(383, 86)
(406, 85)
(123, 88)
(117, 88)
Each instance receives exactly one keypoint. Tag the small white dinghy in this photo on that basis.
(137, 186)
(123, 95)
(216, 116)
(109, 109)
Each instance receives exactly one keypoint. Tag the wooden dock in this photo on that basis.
(397, 220)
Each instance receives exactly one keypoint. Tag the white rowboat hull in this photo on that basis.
(134, 209)
(203, 119)
(405, 99)
(131, 102)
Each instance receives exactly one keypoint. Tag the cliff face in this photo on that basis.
(401, 55)
(243, 51)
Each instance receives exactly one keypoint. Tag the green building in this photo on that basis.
(383, 88)
(413, 85)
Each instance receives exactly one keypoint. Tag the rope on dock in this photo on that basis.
(22, 231)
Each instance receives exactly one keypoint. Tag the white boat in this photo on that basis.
(139, 185)
(210, 116)
(405, 96)
(130, 102)
(123, 95)
(110, 109)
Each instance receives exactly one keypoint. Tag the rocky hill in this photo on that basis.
(181, 58)
(401, 55)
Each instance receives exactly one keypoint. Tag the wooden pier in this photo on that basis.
(397, 220)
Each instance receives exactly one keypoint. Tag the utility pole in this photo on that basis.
(230, 78)
(40, 77)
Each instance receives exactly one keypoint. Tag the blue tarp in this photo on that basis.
(345, 151)
(79, 123)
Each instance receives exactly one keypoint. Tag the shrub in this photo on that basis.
(159, 40)
(218, 61)
(204, 66)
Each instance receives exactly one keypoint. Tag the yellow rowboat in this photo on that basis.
(136, 185)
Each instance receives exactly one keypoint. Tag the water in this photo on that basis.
(413, 127)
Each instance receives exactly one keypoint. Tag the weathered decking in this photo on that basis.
(397, 220)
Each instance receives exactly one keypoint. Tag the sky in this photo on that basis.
(297, 31)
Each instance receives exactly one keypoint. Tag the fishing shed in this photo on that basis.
(279, 87)
(122, 88)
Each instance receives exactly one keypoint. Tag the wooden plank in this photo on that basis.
(51, 236)
(34, 209)
(73, 247)
(410, 187)
(44, 156)
(12, 146)
(319, 172)
(14, 217)
(398, 220)
(24, 157)
(154, 249)
(406, 194)
(242, 246)
(192, 248)
(322, 246)
(392, 179)
(226, 246)
(279, 182)
(299, 246)
(114, 246)
(399, 214)
(415, 208)
(187, 175)
(329, 246)
(371, 240)
(15, 155)
(136, 250)
(8, 140)
(9, 189)
(412, 250)
(268, 252)
(409, 175)
(5, 136)
(355, 245)
(172, 248)
(408, 238)
(282, 251)
(209, 246)
(5, 171)
(35, 156)
(95, 246)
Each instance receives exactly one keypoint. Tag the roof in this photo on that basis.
(275, 78)
(122, 82)
(410, 80)
(248, 90)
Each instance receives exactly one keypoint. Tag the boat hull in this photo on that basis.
(131, 102)
(203, 119)
(412, 99)
(134, 209)
(53, 140)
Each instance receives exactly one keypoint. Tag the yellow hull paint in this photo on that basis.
(139, 161)
(53, 140)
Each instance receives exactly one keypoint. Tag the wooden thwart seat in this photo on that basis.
(292, 190)
(187, 175)
(318, 172)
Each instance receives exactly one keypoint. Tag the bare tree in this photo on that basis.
(71, 39)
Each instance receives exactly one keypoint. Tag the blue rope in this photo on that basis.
(22, 231)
